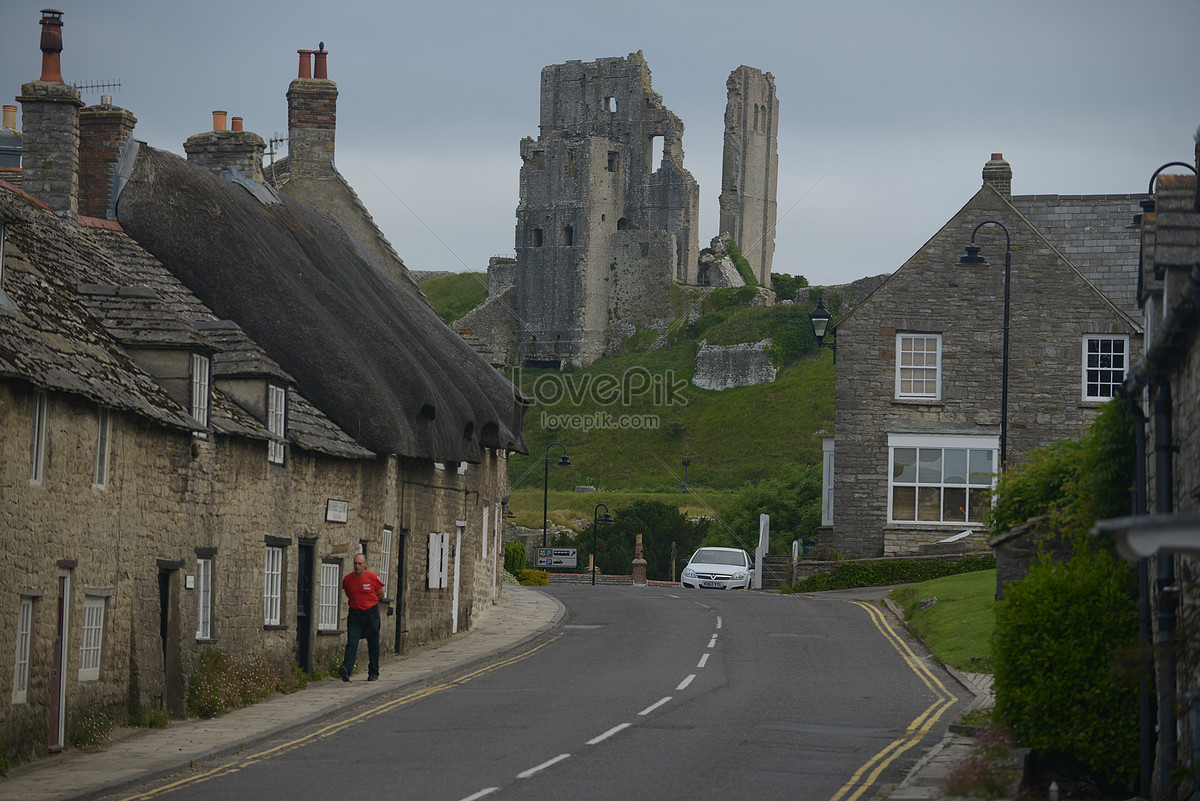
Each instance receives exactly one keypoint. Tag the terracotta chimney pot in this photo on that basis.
(321, 71)
(10, 118)
(219, 120)
(52, 45)
(305, 64)
(237, 123)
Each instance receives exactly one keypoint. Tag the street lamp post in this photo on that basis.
(972, 257)
(687, 460)
(565, 461)
(820, 317)
(606, 520)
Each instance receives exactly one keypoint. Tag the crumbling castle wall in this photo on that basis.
(594, 207)
(749, 173)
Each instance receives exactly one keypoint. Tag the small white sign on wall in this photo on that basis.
(337, 511)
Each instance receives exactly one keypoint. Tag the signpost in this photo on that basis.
(557, 557)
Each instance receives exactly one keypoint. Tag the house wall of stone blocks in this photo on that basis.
(1052, 309)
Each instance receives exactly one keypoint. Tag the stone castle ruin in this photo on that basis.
(608, 215)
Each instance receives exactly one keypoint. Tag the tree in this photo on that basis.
(660, 525)
(792, 498)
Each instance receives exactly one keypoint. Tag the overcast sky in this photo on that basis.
(888, 110)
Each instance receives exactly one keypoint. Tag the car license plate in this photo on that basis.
(716, 585)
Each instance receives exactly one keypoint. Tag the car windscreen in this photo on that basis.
(712, 557)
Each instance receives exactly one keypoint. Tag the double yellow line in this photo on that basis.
(333, 728)
(868, 774)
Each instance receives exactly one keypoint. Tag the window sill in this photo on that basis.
(331, 632)
(274, 627)
(917, 402)
(207, 640)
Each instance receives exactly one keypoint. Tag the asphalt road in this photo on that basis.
(645, 693)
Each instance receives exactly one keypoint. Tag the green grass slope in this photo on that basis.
(455, 295)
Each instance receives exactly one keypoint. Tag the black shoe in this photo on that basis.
(345, 674)
(373, 678)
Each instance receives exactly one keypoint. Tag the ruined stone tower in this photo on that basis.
(749, 173)
(604, 225)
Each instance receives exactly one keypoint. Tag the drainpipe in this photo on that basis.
(1146, 717)
(1168, 591)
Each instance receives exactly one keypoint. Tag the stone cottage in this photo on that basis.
(956, 365)
(213, 397)
(1162, 536)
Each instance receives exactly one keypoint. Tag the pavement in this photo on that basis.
(135, 757)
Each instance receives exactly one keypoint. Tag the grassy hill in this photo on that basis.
(627, 421)
(455, 295)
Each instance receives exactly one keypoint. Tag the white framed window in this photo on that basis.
(330, 596)
(439, 560)
(276, 419)
(37, 438)
(201, 382)
(385, 557)
(204, 566)
(826, 481)
(272, 585)
(940, 479)
(91, 638)
(919, 366)
(21, 664)
(103, 428)
(1105, 361)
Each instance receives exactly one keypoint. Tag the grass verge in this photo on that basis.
(958, 628)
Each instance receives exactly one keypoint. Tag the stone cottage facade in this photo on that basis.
(924, 416)
(196, 441)
(1162, 536)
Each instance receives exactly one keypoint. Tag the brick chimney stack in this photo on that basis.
(50, 140)
(998, 173)
(104, 132)
(312, 108)
(220, 150)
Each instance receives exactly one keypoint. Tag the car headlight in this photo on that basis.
(689, 573)
(741, 574)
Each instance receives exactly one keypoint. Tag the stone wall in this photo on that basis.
(724, 366)
(750, 166)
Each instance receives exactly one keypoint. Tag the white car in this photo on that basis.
(718, 568)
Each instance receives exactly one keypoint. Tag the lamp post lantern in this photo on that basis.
(565, 461)
(972, 257)
(820, 318)
(606, 520)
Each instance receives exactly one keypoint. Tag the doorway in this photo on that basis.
(169, 636)
(58, 682)
(401, 583)
(304, 601)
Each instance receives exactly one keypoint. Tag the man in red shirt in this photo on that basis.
(364, 591)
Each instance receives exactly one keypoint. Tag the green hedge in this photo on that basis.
(892, 571)
(534, 578)
(514, 556)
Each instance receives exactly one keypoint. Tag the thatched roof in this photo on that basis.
(373, 357)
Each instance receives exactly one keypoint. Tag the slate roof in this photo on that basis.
(367, 352)
(1095, 234)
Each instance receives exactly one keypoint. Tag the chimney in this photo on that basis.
(104, 132)
(10, 146)
(312, 106)
(998, 173)
(50, 141)
(221, 151)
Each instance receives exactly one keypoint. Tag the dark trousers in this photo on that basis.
(362, 623)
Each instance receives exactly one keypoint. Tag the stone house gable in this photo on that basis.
(915, 451)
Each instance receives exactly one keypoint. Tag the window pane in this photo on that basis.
(929, 503)
(930, 471)
(955, 465)
(981, 467)
(904, 503)
(954, 505)
(904, 465)
(981, 501)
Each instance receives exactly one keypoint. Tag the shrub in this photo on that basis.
(891, 571)
(221, 683)
(514, 557)
(148, 718)
(1060, 636)
(92, 729)
(534, 578)
(989, 770)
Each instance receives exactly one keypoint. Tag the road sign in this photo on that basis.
(557, 557)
